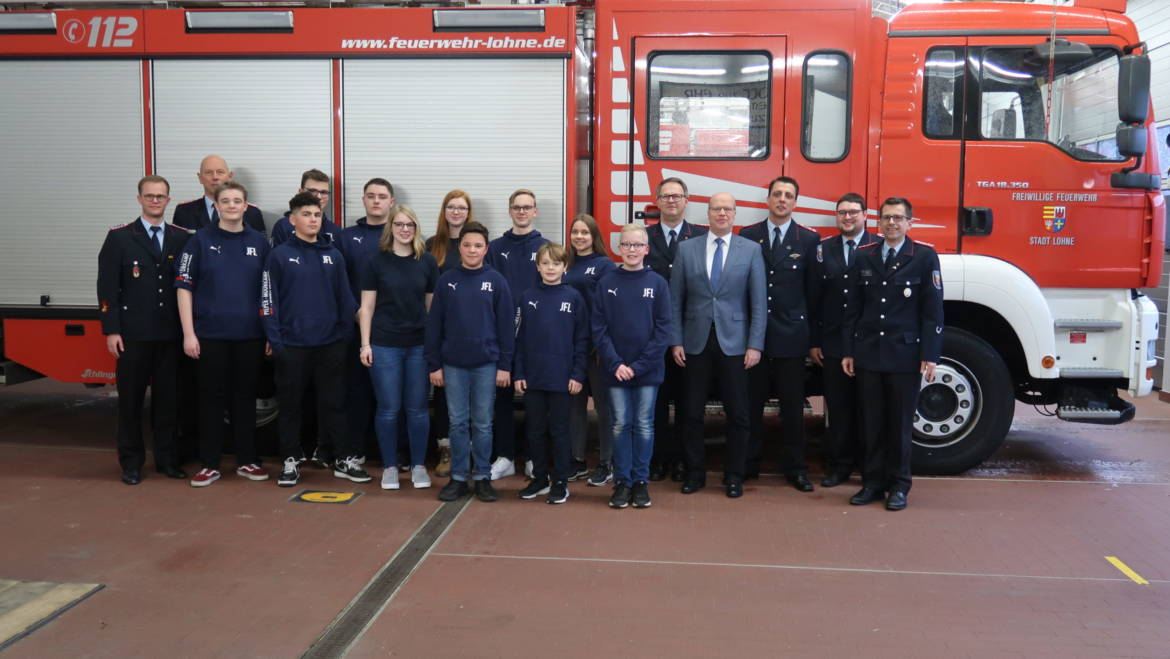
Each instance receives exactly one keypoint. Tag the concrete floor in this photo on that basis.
(1007, 560)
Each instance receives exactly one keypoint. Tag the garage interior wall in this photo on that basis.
(1153, 25)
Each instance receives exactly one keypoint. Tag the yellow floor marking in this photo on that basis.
(1127, 571)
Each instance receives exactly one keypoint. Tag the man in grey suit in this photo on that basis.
(719, 312)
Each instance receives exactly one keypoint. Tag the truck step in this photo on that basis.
(1084, 413)
(1079, 372)
(1087, 324)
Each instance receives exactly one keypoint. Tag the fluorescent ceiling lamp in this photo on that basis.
(239, 21)
(755, 68)
(479, 20)
(42, 21)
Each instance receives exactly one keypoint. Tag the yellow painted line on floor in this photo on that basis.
(1127, 571)
(27, 615)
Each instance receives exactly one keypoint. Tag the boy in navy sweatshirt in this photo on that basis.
(551, 341)
(307, 309)
(470, 340)
(631, 328)
(514, 256)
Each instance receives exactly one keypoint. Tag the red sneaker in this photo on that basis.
(204, 478)
(252, 472)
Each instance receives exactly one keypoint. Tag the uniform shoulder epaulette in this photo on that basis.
(870, 245)
(825, 240)
(920, 242)
(183, 229)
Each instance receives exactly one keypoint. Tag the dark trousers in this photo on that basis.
(888, 424)
(667, 436)
(323, 365)
(785, 376)
(440, 421)
(187, 439)
(228, 372)
(733, 391)
(504, 425)
(359, 403)
(142, 364)
(546, 415)
(843, 444)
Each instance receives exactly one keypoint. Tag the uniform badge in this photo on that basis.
(866, 273)
(906, 292)
(134, 271)
(794, 255)
(820, 254)
(937, 279)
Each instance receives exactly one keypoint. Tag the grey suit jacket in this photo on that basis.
(738, 307)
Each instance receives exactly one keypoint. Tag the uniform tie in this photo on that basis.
(156, 239)
(889, 258)
(670, 238)
(214, 215)
(717, 264)
(776, 241)
(848, 253)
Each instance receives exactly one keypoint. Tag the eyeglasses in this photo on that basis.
(672, 197)
(894, 218)
(632, 246)
(404, 225)
(850, 212)
(317, 193)
(155, 197)
(722, 209)
(522, 209)
(462, 209)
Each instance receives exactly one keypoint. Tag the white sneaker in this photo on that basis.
(418, 476)
(502, 467)
(390, 478)
(528, 469)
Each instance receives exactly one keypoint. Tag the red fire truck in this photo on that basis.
(1022, 133)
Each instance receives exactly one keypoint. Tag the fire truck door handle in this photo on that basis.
(977, 221)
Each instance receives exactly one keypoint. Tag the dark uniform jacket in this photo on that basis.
(830, 282)
(193, 215)
(135, 285)
(894, 319)
(788, 286)
(660, 259)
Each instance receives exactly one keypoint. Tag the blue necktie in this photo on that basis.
(889, 263)
(156, 238)
(848, 253)
(717, 264)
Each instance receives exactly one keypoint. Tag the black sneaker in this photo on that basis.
(349, 468)
(319, 460)
(640, 495)
(558, 493)
(602, 475)
(453, 490)
(289, 475)
(535, 488)
(621, 496)
(577, 470)
(485, 492)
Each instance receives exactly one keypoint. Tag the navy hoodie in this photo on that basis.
(471, 320)
(222, 270)
(305, 299)
(359, 244)
(515, 257)
(283, 229)
(631, 325)
(585, 272)
(551, 338)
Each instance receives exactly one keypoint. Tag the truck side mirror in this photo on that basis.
(1133, 89)
(1062, 51)
(1131, 140)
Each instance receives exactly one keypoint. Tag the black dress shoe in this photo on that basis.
(751, 474)
(657, 471)
(735, 489)
(678, 474)
(692, 486)
(131, 476)
(173, 472)
(801, 482)
(896, 501)
(834, 479)
(866, 495)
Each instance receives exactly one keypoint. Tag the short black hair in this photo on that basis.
(314, 175)
(379, 181)
(474, 227)
(302, 199)
(894, 201)
(784, 179)
(852, 197)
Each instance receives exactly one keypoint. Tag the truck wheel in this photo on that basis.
(964, 415)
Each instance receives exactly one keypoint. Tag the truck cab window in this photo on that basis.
(824, 132)
(1077, 111)
(944, 92)
(709, 105)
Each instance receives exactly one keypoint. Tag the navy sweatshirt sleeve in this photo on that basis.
(269, 294)
(580, 338)
(651, 356)
(188, 275)
(346, 306)
(434, 333)
(606, 352)
(505, 326)
(519, 364)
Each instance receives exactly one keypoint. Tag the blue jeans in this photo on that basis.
(471, 395)
(399, 376)
(633, 432)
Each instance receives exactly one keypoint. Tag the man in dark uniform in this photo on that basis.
(789, 250)
(139, 314)
(892, 338)
(194, 215)
(664, 238)
(830, 281)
